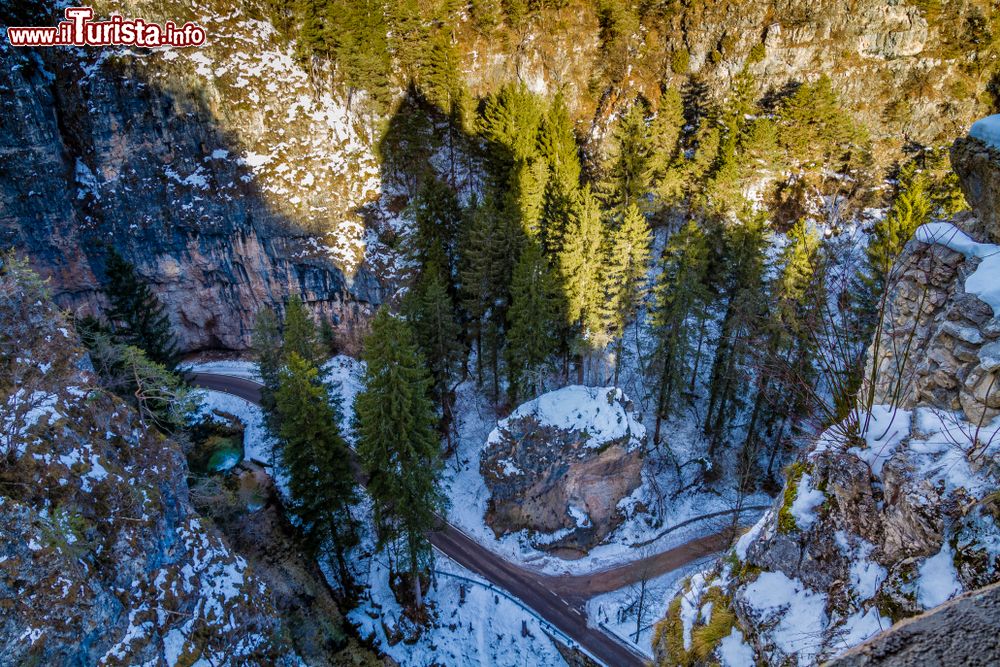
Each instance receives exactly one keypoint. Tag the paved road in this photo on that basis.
(558, 599)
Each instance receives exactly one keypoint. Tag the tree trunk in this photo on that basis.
(479, 355)
(618, 358)
(639, 610)
(663, 397)
(697, 354)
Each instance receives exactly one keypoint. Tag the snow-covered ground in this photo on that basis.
(257, 444)
(473, 623)
(617, 611)
(232, 367)
(984, 282)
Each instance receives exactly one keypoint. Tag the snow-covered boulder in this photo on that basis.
(560, 464)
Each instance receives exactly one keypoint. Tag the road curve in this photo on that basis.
(557, 599)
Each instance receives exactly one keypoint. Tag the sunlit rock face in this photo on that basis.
(559, 465)
(228, 187)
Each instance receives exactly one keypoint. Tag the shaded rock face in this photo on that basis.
(104, 156)
(558, 482)
(978, 166)
(959, 632)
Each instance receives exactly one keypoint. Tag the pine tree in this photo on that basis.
(327, 338)
(534, 318)
(509, 123)
(725, 186)
(623, 276)
(679, 308)
(744, 292)
(266, 343)
(911, 207)
(437, 216)
(815, 130)
(786, 355)
(489, 246)
(664, 138)
(397, 444)
(557, 147)
(579, 267)
(300, 333)
(358, 31)
(631, 160)
(409, 37)
(136, 315)
(318, 462)
(431, 315)
(525, 198)
(311, 41)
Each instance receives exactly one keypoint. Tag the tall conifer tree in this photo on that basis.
(623, 276)
(534, 320)
(397, 444)
(318, 462)
(136, 315)
(679, 307)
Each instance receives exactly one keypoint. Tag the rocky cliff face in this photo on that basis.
(216, 171)
(103, 559)
(880, 523)
(232, 180)
(908, 70)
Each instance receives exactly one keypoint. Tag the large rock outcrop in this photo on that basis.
(961, 631)
(978, 165)
(559, 465)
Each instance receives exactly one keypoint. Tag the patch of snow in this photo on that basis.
(807, 499)
(616, 611)
(597, 411)
(860, 627)
(987, 130)
(241, 369)
(689, 606)
(735, 652)
(800, 613)
(579, 516)
(887, 427)
(984, 282)
(938, 580)
(747, 538)
(257, 444)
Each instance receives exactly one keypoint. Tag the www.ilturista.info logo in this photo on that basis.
(79, 30)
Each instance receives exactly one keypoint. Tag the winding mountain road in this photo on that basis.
(559, 600)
